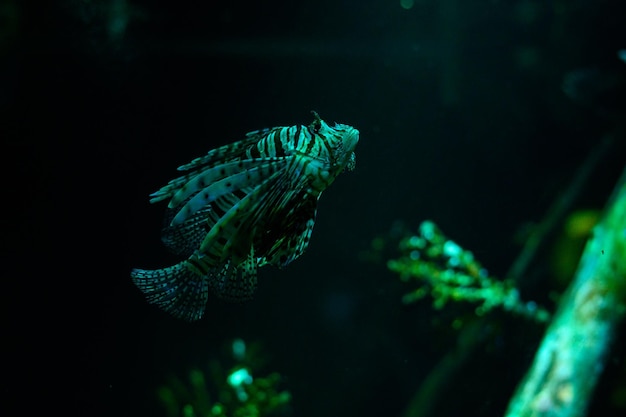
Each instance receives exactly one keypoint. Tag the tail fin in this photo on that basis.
(176, 289)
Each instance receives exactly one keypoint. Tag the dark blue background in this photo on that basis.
(462, 120)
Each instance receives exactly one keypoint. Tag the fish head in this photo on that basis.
(342, 140)
(334, 153)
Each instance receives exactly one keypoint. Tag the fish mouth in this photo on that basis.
(351, 140)
(348, 144)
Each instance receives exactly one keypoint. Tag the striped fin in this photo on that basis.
(176, 289)
(180, 188)
(227, 152)
(236, 282)
(273, 220)
(208, 176)
(223, 153)
(240, 215)
(184, 239)
(297, 234)
(238, 181)
(217, 164)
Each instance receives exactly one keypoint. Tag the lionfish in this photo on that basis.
(242, 206)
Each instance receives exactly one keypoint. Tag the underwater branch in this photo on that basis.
(570, 358)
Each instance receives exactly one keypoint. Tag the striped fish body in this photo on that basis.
(242, 206)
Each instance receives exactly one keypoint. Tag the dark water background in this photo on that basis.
(463, 121)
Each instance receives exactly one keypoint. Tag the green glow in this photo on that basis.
(240, 377)
(447, 272)
(407, 4)
(575, 347)
(221, 393)
(239, 349)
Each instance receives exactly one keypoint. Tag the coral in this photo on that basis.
(238, 392)
(447, 272)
